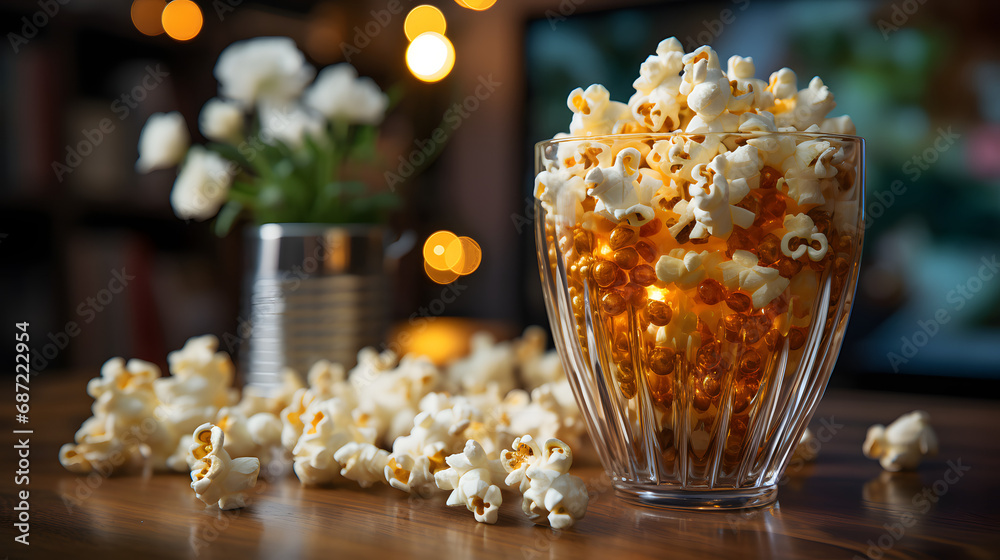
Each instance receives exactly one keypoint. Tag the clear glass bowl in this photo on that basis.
(695, 387)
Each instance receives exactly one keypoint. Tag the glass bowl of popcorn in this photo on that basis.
(699, 249)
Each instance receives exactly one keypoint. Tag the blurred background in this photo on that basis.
(79, 78)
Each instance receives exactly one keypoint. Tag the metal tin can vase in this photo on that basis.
(313, 291)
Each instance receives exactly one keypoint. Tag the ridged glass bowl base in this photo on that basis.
(665, 496)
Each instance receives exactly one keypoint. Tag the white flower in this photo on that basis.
(221, 120)
(162, 142)
(338, 93)
(763, 282)
(215, 476)
(202, 186)
(801, 226)
(289, 123)
(902, 444)
(593, 111)
(620, 194)
(470, 478)
(262, 69)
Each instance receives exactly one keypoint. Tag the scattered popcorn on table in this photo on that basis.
(328, 426)
(124, 422)
(488, 363)
(199, 385)
(363, 463)
(470, 478)
(552, 496)
(902, 445)
(215, 477)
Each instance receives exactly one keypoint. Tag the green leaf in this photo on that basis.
(227, 217)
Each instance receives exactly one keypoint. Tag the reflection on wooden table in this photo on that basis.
(841, 506)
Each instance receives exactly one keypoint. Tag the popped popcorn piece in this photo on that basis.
(524, 453)
(536, 366)
(593, 111)
(811, 106)
(742, 271)
(552, 496)
(124, 422)
(901, 445)
(655, 103)
(714, 197)
(411, 475)
(686, 268)
(470, 478)
(199, 386)
(488, 363)
(362, 462)
(215, 476)
(328, 426)
(620, 195)
(260, 399)
(808, 447)
(801, 226)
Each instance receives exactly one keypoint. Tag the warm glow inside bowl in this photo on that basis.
(698, 361)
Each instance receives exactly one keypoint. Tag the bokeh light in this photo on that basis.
(147, 16)
(422, 19)
(182, 20)
(447, 256)
(430, 57)
(478, 5)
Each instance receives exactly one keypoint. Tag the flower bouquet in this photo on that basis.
(281, 149)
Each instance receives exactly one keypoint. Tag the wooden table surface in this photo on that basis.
(841, 506)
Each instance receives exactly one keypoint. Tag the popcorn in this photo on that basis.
(655, 104)
(552, 496)
(488, 363)
(902, 444)
(764, 283)
(199, 386)
(124, 426)
(808, 447)
(620, 195)
(593, 111)
(524, 453)
(470, 478)
(215, 477)
(362, 462)
(801, 226)
(537, 367)
(328, 426)
(685, 268)
(713, 197)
